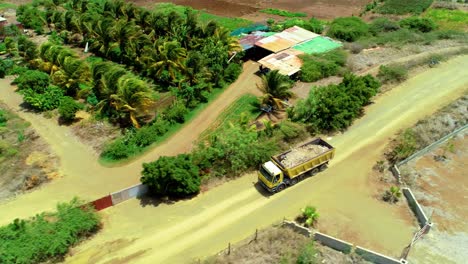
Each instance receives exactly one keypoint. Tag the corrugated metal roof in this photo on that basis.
(286, 39)
(2, 19)
(286, 62)
(248, 41)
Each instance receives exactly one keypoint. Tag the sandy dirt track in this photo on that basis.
(204, 225)
(83, 175)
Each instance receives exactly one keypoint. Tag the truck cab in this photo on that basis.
(270, 176)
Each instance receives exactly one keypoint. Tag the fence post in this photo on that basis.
(229, 248)
(256, 234)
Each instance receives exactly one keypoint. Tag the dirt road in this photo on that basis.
(348, 208)
(84, 176)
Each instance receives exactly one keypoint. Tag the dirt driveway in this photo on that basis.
(206, 224)
(83, 175)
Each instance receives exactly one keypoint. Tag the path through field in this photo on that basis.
(348, 207)
(84, 176)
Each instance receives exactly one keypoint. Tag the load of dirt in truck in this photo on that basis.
(302, 154)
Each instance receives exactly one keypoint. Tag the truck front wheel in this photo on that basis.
(280, 188)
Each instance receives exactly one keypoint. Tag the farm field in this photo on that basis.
(250, 9)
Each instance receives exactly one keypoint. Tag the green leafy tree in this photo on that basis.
(172, 176)
(348, 28)
(68, 108)
(32, 79)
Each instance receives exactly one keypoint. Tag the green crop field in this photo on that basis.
(400, 7)
(283, 13)
(204, 17)
(449, 19)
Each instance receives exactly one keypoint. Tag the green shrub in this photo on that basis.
(68, 108)
(334, 107)
(48, 100)
(392, 73)
(348, 28)
(308, 255)
(316, 67)
(401, 7)
(312, 24)
(35, 80)
(3, 69)
(406, 145)
(417, 23)
(383, 24)
(47, 237)
(118, 150)
(176, 113)
(31, 17)
(232, 72)
(283, 13)
(176, 176)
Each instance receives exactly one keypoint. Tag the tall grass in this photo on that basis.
(449, 19)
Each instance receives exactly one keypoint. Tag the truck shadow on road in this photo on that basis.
(262, 190)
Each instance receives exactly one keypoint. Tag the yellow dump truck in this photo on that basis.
(292, 166)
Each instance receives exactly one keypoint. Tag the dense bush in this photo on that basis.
(176, 113)
(232, 151)
(232, 71)
(348, 28)
(316, 67)
(35, 80)
(307, 255)
(3, 69)
(68, 108)
(392, 73)
(312, 24)
(417, 23)
(48, 100)
(48, 236)
(135, 140)
(383, 24)
(284, 13)
(176, 176)
(401, 7)
(334, 107)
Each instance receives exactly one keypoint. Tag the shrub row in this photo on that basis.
(47, 236)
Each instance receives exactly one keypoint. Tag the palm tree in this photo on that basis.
(170, 57)
(276, 87)
(71, 74)
(392, 195)
(232, 43)
(101, 36)
(310, 215)
(133, 98)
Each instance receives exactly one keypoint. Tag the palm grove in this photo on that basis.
(141, 54)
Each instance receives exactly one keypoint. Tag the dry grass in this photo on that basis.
(272, 246)
(95, 133)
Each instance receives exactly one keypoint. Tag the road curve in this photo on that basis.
(83, 175)
(187, 230)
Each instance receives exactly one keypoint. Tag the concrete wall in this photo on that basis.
(334, 243)
(128, 193)
(298, 228)
(375, 257)
(415, 207)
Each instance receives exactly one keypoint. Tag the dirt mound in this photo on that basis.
(302, 154)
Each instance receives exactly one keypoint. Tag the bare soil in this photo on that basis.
(26, 161)
(441, 189)
(249, 8)
(278, 245)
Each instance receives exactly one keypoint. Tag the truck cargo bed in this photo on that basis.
(305, 157)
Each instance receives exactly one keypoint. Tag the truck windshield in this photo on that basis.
(266, 174)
